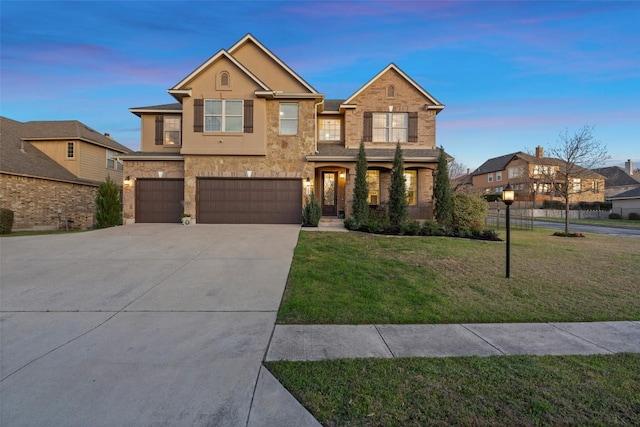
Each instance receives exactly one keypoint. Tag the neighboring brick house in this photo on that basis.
(618, 180)
(249, 138)
(50, 172)
(536, 178)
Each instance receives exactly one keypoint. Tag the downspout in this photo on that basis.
(315, 125)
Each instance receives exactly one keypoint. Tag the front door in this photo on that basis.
(329, 194)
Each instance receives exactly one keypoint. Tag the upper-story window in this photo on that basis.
(288, 118)
(224, 79)
(515, 172)
(390, 127)
(112, 163)
(171, 130)
(499, 176)
(490, 177)
(71, 150)
(330, 130)
(223, 115)
(391, 91)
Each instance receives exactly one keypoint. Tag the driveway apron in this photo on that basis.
(149, 324)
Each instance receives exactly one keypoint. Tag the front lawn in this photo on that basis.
(600, 390)
(356, 278)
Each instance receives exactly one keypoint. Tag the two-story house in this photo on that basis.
(249, 140)
(536, 178)
(50, 171)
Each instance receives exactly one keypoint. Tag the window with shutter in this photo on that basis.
(159, 130)
(248, 116)
(198, 114)
(367, 130)
(413, 127)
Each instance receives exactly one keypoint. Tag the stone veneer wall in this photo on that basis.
(36, 202)
(145, 169)
(374, 99)
(285, 155)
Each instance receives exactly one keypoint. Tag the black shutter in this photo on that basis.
(159, 130)
(198, 113)
(413, 127)
(367, 130)
(248, 116)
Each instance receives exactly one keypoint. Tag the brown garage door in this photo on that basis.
(249, 201)
(159, 200)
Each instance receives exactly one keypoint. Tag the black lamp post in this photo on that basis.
(508, 195)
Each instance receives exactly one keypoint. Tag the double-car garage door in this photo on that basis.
(248, 201)
(222, 200)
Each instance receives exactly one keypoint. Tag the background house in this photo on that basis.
(626, 203)
(618, 180)
(249, 140)
(536, 178)
(50, 171)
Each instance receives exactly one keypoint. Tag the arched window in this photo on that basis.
(224, 78)
(391, 91)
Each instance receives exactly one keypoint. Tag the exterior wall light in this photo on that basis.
(127, 181)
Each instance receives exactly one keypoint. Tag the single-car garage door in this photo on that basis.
(249, 201)
(159, 200)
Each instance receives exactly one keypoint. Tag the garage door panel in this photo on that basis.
(249, 201)
(159, 200)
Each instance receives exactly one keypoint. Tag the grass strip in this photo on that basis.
(598, 390)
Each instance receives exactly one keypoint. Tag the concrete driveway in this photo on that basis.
(141, 325)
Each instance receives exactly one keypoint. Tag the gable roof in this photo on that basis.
(21, 158)
(220, 54)
(495, 164)
(67, 129)
(392, 66)
(500, 163)
(615, 176)
(250, 38)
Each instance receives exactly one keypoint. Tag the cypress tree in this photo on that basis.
(442, 192)
(360, 206)
(398, 208)
(108, 204)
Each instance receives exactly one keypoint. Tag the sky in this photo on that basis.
(512, 75)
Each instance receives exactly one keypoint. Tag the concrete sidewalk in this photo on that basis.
(317, 342)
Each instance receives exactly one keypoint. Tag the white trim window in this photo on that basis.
(499, 176)
(223, 115)
(112, 162)
(171, 130)
(373, 183)
(288, 118)
(490, 177)
(390, 127)
(411, 184)
(330, 130)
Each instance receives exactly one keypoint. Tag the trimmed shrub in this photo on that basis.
(108, 204)
(634, 216)
(398, 208)
(552, 204)
(469, 212)
(614, 215)
(411, 228)
(312, 212)
(431, 228)
(6, 221)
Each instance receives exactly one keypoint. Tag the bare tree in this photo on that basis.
(577, 153)
(456, 169)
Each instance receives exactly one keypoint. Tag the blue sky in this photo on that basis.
(512, 75)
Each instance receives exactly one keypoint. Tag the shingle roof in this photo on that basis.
(340, 153)
(495, 164)
(332, 104)
(22, 158)
(500, 163)
(71, 129)
(615, 176)
(631, 194)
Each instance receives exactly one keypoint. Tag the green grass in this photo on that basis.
(356, 278)
(601, 390)
(605, 222)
